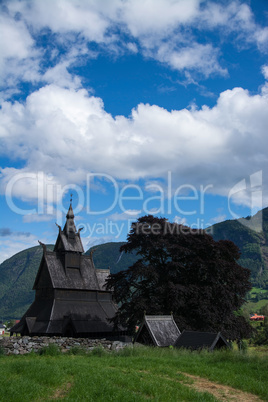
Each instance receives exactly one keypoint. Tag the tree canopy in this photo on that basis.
(183, 271)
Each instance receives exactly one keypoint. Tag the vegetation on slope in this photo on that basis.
(108, 255)
(17, 278)
(252, 244)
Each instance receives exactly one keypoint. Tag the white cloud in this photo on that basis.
(64, 17)
(18, 55)
(265, 71)
(261, 36)
(59, 75)
(14, 243)
(89, 242)
(149, 17)
(218, 219)
(37, 218)
(14, 32)
(129, 214)
(198, 57)
(163, 30)
(67, 133)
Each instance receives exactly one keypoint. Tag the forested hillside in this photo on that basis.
(253, 244)
(108, 256)
(17, 275)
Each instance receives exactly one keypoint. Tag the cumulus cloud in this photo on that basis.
(18, 55)
(197, 57)
(162, 30)
(14, 32)
(64, 134)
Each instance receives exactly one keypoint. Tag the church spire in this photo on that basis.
(69, 227)
(68, 238)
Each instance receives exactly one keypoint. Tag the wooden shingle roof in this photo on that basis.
(158, 330)
(201, 340)
(53, 270)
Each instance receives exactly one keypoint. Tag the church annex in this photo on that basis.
(70, 294)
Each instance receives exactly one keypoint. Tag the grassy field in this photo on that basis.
(135, 374)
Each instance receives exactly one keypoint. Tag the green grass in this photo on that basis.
(135, 374)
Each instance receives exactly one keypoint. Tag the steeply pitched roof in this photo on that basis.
(159, 330)
(61, 277)
(64, 243)
(200, 340)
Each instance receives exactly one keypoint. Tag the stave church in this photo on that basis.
(70, 294)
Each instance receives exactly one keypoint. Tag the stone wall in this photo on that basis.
(21, 345)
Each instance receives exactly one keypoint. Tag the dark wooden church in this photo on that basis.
(70, 294)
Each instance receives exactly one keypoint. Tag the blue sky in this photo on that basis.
(134, 107)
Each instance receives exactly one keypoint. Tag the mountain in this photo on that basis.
(17, 274)
(108, 256)
(252, 242)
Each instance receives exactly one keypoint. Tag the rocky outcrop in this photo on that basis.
(16, 345)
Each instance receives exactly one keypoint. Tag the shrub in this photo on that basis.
(77, 350)
(50, 350)
(98, 351)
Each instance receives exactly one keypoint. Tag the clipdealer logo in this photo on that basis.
(49, 195)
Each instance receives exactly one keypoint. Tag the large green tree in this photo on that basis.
(183, 271)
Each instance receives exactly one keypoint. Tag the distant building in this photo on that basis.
(2, 329)
(195, 340)
(157, 330)
(70, 294)
(257, 317)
